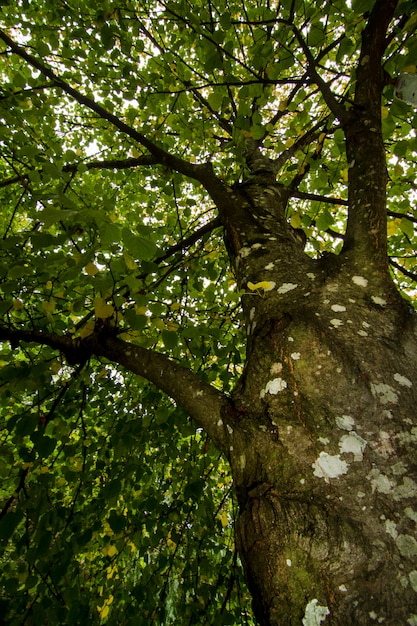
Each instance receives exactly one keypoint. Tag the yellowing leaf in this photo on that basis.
(91, 269)
(266, 285)
(103, 611)
(109, 550)
(223, 519)
(295, 220)
(392, 227)
(129, 260)
(171, 544)
(102, 310)
(384, 112)
(158, 323)
(55, 367)
(49, 306)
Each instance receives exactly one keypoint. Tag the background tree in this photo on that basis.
(198, 287)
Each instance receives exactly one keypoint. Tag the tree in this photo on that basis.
(204, 279)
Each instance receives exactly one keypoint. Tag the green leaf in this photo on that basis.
(325, 220)
(407, 227)
(8, 525)
(139, 247)
(170, 339)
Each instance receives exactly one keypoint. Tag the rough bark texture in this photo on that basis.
(324, 456)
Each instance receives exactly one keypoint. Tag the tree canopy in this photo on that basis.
(123, 128)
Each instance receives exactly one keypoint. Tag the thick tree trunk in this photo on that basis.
(323, 434)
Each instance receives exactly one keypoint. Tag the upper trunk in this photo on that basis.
(323, 444)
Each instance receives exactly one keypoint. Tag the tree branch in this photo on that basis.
(303, 195)
(403, 270)
(106, 164)
(369, 74)
(205, 404)
(196, 171)
(334, 105)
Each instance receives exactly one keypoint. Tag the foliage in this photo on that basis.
(115, 506)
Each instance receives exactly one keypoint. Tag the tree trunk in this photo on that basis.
(322, 435)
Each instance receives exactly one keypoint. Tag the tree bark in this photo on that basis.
(324, 454)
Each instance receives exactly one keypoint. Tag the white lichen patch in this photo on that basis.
(353, 444)
(407, 546)
(275, 386)
(270, 266)
(332, 287)
(379, 482)
(400, 468)
(384, 446)
(338, 308)
(385, 393)
(285, 287)
(311, 276)
(360, 281)
(220, 423)
(408, 437)
(403, 380)
(411, 514)
(328, 466)
(336, 322)
(295, 356)
(391, 528)
(407, 489)
(289, 562)
(276, 368)
(346, 422)
(256, 246)
(379, 301)
(315, 613)
(362, 333)
(252, 313)
(229, 429)
(244, 252)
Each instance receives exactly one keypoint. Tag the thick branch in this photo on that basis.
(331, 100)
(366, 231)
(369, 74)
(205, 404)
(165, 158)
